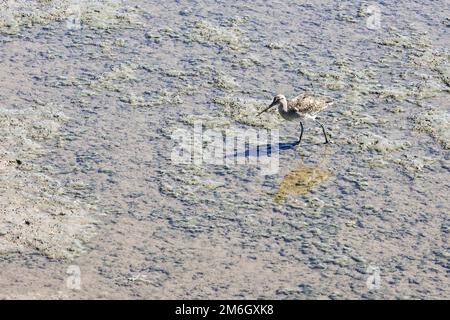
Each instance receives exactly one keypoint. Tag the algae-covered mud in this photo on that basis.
(94, 202)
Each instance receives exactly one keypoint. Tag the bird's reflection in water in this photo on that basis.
(302, 180)
(299, 181)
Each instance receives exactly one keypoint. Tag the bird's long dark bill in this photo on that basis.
(271, 105)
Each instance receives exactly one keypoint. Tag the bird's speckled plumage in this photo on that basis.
(307, 104)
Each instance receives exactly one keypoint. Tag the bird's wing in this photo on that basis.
(307, 103)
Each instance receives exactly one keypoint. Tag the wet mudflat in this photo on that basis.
(87, 116)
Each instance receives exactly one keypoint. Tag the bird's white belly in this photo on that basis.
(289, 115)
(292, 115)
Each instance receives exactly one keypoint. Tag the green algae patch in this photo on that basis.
(396, 94)
(205, 32)
(245, 110)
(427, 58)
(413, 163)
(300, 181)
(207, 121)
(276, 45)
(105, 14)
(162, 97)
(373, 142)
(116, 77)
(180, 74)
(243, 62)
(398, 40)
(436, 124)
(222, 81)
(134, 100)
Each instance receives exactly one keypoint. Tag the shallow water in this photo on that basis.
(87, 117)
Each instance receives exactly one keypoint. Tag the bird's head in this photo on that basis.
(278, 99)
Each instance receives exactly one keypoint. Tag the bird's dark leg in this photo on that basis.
(324, 132)
(301, 133)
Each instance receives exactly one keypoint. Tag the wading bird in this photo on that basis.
(304, 106)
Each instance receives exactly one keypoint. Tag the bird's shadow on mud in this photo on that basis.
(266, 150)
